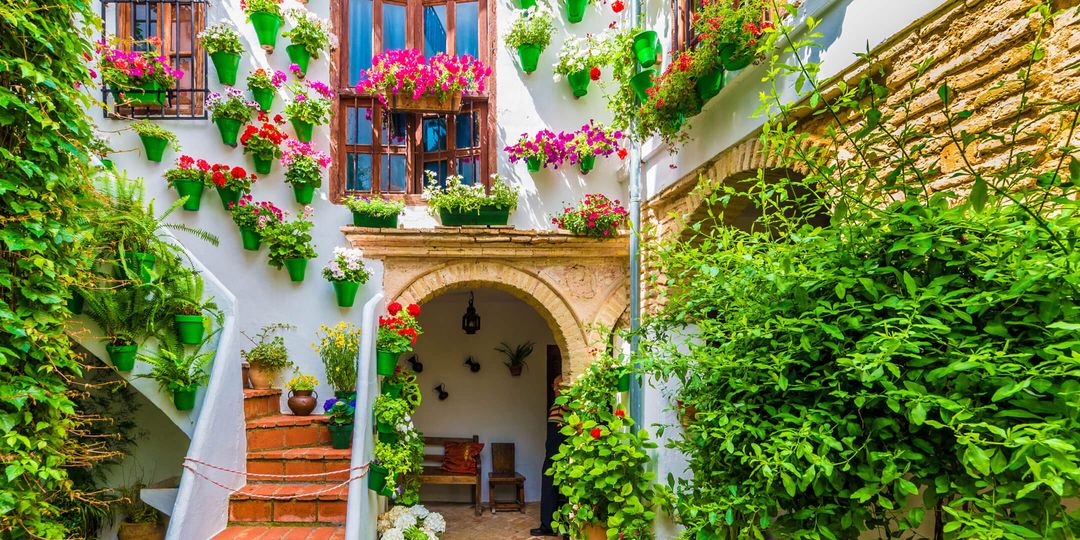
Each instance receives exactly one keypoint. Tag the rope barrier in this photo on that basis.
(199, 474)
(268, 475)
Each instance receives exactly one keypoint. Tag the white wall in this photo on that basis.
(491, 403)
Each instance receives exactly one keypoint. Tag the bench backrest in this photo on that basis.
(434, 449)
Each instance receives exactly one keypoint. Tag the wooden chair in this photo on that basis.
(504, 473)
(434, 475)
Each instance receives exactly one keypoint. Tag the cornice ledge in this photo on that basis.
(483, 243)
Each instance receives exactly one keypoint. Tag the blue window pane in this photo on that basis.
(358, 172)
(434, 134)
(434, 30)
(358, 125)
(143, 25)
(469, 169)
(467, 127)
(394, 26)
(360, 31)
(395, 129)
(440, 169)
(392, 177)
(467, 29)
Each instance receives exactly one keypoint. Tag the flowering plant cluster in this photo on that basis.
(146, 128)
(719, 22)
(533, 26)
(373, 206)
(126, 69)
(398, 331)
(596, 216)
(221, 37)
(548, 147)
(237, 178)
(595, 139)
(264, 141)
(310, 32)
(671, 100)
(255, 215)
(456, 196)
(302, 382)
(291, 239)
(310, 102)
(410, 523)
(264, 78)
(188, 168)
(303, 163)
(580, 54)
(341, 412)
(347, 265)
(231, 104)
(409, 73)
(338, 347)
(266, 6)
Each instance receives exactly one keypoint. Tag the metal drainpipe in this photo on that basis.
(637, 405)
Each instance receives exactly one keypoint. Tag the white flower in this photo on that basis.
(405, 521)
(393, 534)
(435, 522)
(419, 511)
(432, 535)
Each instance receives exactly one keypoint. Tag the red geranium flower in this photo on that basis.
(413, 310)
(394, 308)
(595, 433)
(219, 179)
(622, 153)
(617, 6)
(594, 73)
(620, 413)
(203, 165)
(238, 172)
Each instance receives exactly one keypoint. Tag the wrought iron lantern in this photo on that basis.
(470, 322)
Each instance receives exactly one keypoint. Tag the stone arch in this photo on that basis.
(530, 288)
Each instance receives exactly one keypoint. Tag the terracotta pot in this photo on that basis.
(301, 402)
(515, 370)
(594, 531)
(141, 531)
(261, 379)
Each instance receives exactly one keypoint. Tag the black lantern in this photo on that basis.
(470, 322)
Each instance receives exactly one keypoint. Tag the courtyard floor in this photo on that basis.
(463, 524)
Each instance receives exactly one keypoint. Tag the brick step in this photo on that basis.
(260, 403)
(285, 431)
(309, 460)
(281, 533)
(303, 505)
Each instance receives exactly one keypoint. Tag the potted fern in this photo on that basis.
(180, 371)
(516, 356)
(184, 297)
(122, 315)
(530, 34)
(155, 139)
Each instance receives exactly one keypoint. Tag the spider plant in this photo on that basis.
(515, 356)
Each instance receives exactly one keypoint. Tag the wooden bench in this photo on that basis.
(434, 475)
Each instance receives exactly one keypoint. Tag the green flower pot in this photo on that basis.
(376, 477)
(642, 82)
(345, 291)
(226, 65)
(262, 164)
(383, 427)
(646, 48)
(392, 390)
(382, 222)
(107, 163)
(526, 4)
(344, 395)
(192, 189)
(303, 130)
(624, 383)
(579, 82)
(304, 193)
(575, 10)
(229, 129)
(228, 196)
(266, 28)
(154, 146)
(297, 267)
(710, 84)
(678, 121)
(386, 362)
(484, 216)
(529, 56)
(264, 97)
(533, 164)
(733, 59)
(340, 436)
(76, 303)
(149, 94)
(299, 56)
(587, 163)
(250, 238)
(184, 398)
(144, 262)
(388, 438)
(122, 356)
(190, 328)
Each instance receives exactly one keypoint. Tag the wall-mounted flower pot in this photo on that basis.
(647, 48)
(733, 58)
(642, 82)
(587, 163)
(297, 267)
(143, 262)
(623, 384)
(192, 189)
(340, 436)
(122, 356)
(302, 402)
(526, 4)
(190, 328)
(579, 82)
(226, 65)
(515, 369)
(184, 397)
(529, 56)
(678, 122)
(392, 390)
(388, 438)
(376, 477)
(386, 362)
(299, 56)
(250, 238)
(263, 165)
(229, 129)
(533, 164)
(484, 216)
(76, 303)
(304, 193)
(710, 84)
(154, 147)
(107, 163)
(228, 196)
(345, 291)
(382, 222)
(266, 28)
(575, 10)
(303, 130)
(149, 94)
(264, 97)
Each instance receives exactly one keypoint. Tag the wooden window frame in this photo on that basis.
(346, 96)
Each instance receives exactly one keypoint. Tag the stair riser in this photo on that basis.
(309, 512)
(258, 407)
(277, 438)
(298, 466)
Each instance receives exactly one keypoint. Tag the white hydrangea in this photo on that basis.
(404, 521)
(393, 534)
(432, 535)
(419, 511)
(434, 521)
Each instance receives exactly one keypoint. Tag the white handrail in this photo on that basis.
(363, 505)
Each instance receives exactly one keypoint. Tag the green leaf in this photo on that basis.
(977, 458)
(978, 194)
(944, 93)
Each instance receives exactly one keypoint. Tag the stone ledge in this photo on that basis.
(483, 242)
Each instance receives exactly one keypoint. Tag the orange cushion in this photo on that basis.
(460, 457)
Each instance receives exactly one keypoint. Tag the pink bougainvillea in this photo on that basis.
(554, 149)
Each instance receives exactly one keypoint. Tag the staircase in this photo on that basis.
(283, 444)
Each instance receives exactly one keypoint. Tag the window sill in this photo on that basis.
(410, 199)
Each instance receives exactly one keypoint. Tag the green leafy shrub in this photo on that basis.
(176, 367)
(373, 206)
(290, 239)
(146, 128)
(533, 26)
(456, 196)
(269, 350)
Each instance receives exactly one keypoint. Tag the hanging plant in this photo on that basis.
(670, 102)
(264, 84)
(263, 143)
(309, 107)
(155, 139)
(265, 16)
(222, 43)
(291, 244)
(310, 36)
(303, 169)
(231, 183)
(542, 150)
(579, 61)
(253, 218)
(189, 177)
(594, 140)
(230, 110)
(530, 34)
(347, 273)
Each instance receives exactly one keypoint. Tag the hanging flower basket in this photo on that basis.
(226, 64)
(184, 397)
(623, 385)
(392, 390)
(345, 291)
(304, 193)
(154, 146)
(579, 82)
(122, 356)
(190, 329)
(266, 28)
(340, 436)
(263, 164)
(297, 268)
(587, 163)
(192, 189)
(575, 10)
(303, 130)
(228, 196)
(710, 84)
(642, 82)
(734, 59)
(250, 238)
(229, 129)
(529, 56)
(647, 48)
(300, 56)
(376, 477)
(264, 97)
(533, 163)
(426, 103)
(386, 362)
(143, 262)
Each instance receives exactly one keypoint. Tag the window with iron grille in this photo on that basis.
(176, 24)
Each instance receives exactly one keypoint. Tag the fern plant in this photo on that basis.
(175, 367)
(184, 293)
(123, 313)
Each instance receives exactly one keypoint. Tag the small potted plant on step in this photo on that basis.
(265, 16)
(530, 34)
(302, 395)
(374, 211)
(231, 183)
(252, 218)
(263, 144)
(268, 356)
(155, 139)
(340, 424)
(339, 347)
(516, 356)
(179, 371)
(310, 35)
(347, 273)
(140, 520)
(230, 110)
(189, 177)
(397, 334)
(222, 43)
(596, 216)
(303, 169)
(263, 84)
(291, 244)
(309, 107)
(459, 204)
